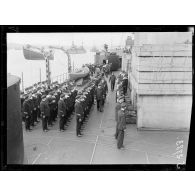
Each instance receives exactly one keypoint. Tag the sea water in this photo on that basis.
(35, 70)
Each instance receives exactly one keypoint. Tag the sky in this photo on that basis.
(65, 39)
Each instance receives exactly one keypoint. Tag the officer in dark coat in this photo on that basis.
(44, 108)
(117, 108)
(61, 112)
(121, 126)
(79, 116)
(27, 113)
(112, 80)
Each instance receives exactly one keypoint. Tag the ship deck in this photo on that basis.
(98, 145)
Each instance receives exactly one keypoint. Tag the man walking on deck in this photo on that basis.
(105, 90)
(121, 126)
(112, 79)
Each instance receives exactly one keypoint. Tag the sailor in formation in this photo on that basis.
(26, 113)
(121, 84)
(61, 100)
(121, 126)
(57, 100)
(61, 112)
(117, 108)
(120, 116)
(45, 113)
(42, 103)
(101, 93)
(83, 105)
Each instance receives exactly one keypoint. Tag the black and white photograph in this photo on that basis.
(99, 98)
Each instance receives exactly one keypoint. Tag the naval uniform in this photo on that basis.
(121, 128)
(112, 79)
(44, 114)
(38, 107)
(27, 112)
(35, 103)
(125, 84)
(52, 109)
(105, 91)
(99, 98)
(31, 104)
(49, 102)
(61, 113)
(79, 117)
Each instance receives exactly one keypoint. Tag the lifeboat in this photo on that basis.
(81, 73)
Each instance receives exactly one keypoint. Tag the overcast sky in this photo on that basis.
(88, 39)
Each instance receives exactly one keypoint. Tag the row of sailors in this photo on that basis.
(64, 99)
(101, 93)
(85, 100)
(44, 104)
(83, 104)
(99, 67)
(43, 87)
(121, 85)
(120, 119)
(48, 104)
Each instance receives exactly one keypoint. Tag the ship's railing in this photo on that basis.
(56, 79)
(60, 78)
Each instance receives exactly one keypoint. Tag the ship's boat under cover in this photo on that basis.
(81, 73)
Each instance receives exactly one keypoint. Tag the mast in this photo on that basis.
(48, 72)
(68, 55)
(22, 82)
